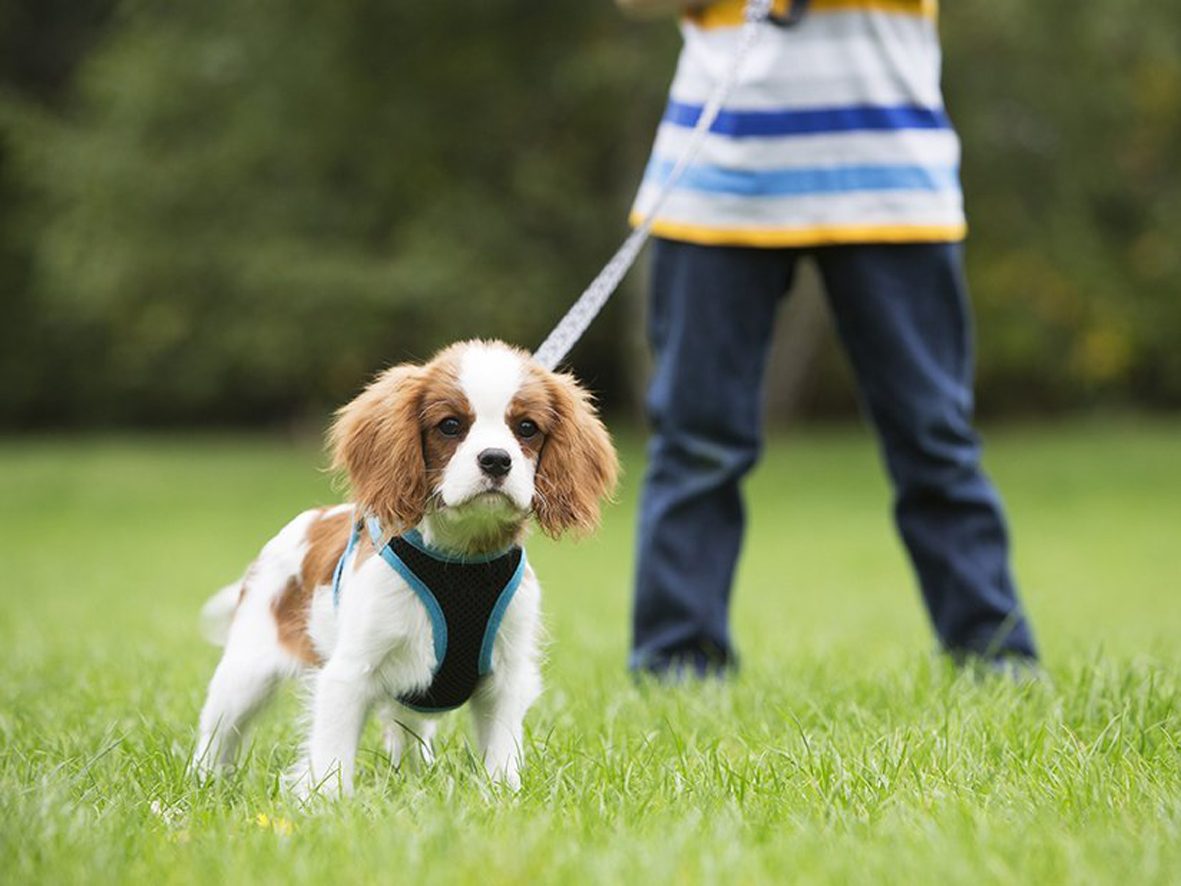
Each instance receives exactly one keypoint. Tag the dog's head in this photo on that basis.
(478, 439)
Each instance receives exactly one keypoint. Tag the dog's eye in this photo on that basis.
(526, 428)
(450, 427)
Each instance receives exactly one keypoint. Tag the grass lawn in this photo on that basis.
(844, 752)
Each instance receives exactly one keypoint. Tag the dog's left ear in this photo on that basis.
(578, 465)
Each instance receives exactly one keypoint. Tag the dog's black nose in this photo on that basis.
(495, 462)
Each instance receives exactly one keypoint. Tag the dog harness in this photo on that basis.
(465, 597)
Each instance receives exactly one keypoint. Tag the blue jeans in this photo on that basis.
(902, 313)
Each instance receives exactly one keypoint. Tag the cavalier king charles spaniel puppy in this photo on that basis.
(417, 596)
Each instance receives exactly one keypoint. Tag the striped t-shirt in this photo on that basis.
(835, 133)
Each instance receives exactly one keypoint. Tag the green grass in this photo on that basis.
(844, 752)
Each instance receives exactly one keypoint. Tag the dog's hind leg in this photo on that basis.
(250, 669)
(255, 659)
(241, 685)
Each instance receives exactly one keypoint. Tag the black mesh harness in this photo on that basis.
(465, 597)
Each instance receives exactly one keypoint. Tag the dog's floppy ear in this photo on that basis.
(376, 440)
(578, 465)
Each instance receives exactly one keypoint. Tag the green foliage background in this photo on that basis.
(235, 210)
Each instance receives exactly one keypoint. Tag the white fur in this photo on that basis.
(218, 613)
(377, 645)
(489, 377)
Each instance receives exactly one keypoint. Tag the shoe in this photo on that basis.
(684, 668)
(1020, 670)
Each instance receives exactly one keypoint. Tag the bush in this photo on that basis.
(236, 211)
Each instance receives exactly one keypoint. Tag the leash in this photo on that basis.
(583, 312)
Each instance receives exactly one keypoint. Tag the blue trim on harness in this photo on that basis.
(438, 622)
(354, 535)
(506, 597)
(426, 595)
(415, 540)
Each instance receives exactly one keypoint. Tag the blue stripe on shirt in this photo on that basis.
(852, 118)
(798, 182)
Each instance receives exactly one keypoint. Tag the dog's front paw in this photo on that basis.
(505, 773)
(201, 771)
(298, 782)
(304, 781)
(511, 780)
(204, 767)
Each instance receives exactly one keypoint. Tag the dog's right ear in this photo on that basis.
(376, 440)
(578, 464)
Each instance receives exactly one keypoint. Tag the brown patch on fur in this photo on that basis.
(377, 441)
(443, 398)
(291, 618)
(532, 402)
(388, 441)
(577, 465)
(327, 537)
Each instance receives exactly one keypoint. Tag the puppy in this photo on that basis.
(417, 596)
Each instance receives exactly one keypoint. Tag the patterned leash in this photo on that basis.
(583, 312)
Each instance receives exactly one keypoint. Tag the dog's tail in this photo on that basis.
(218, 612)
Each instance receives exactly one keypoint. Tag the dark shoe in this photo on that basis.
(684, 667)
(1020, 670)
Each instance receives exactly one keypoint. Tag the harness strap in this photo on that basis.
(493, 626)
(354, 536)
(398, 553)
(434, 610)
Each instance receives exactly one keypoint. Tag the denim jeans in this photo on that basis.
(902, 314)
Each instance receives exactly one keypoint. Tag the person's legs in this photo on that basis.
(710, 321)
(903, 315)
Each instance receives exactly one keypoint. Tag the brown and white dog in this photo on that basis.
(464, 448)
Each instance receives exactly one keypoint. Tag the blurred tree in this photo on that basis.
(236, 210)
(1072, 136)
(41, 45)
(254, 205)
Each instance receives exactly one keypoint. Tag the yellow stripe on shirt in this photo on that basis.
(805, 237)
(729, 13)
